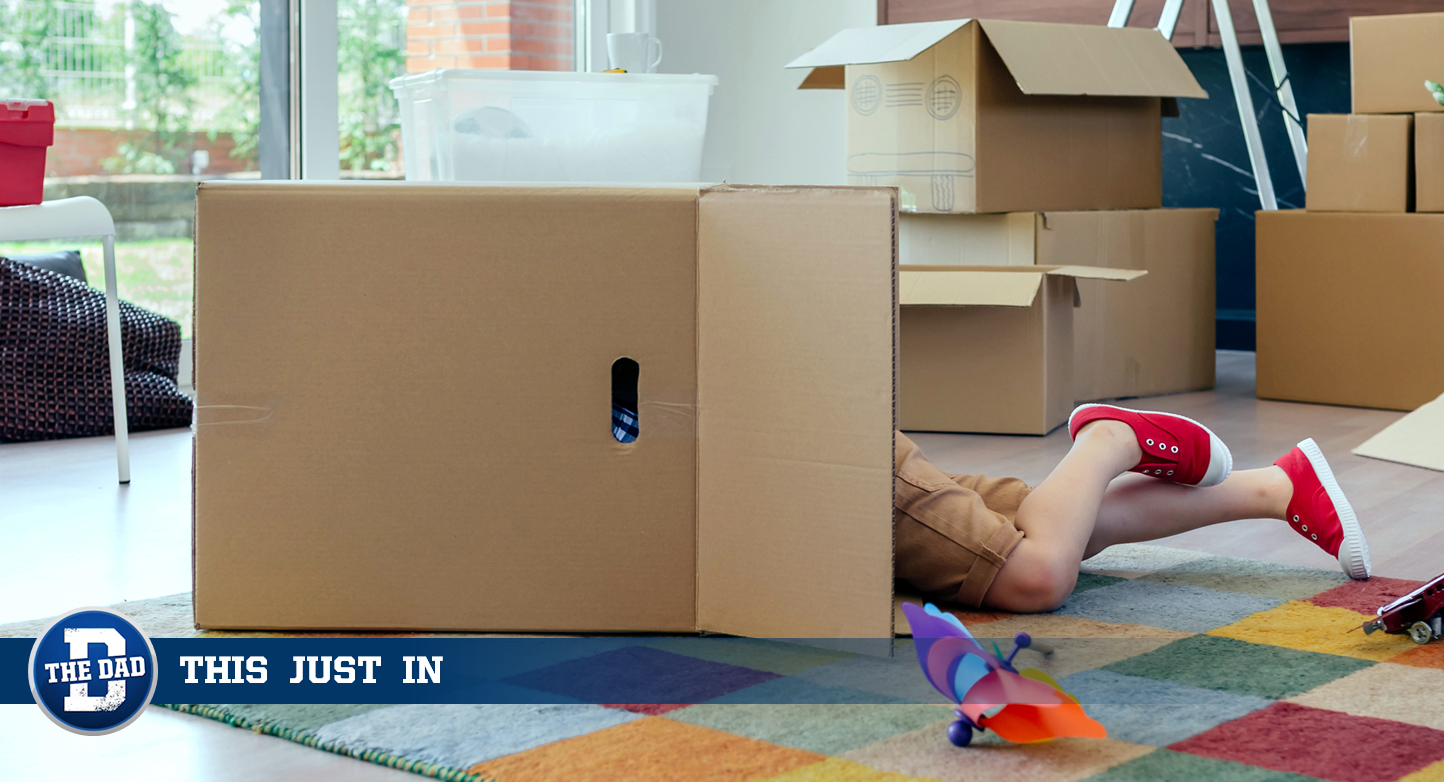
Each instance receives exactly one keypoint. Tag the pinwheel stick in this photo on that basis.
(1025, 641)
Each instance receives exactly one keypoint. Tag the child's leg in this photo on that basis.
(1087, 505)
(1058, 520)
(1136, 508)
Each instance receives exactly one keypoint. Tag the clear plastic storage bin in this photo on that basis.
(538, 126)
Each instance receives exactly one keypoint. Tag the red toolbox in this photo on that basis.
(27, 127)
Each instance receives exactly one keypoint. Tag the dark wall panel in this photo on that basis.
(1205, 162)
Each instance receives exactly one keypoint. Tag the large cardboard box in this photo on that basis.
(405, 408)
(1349, 308)
(989, 349)
(1360, 163)
(1429, 162)
(1151, 336)
(996, 116)
(1391, 57)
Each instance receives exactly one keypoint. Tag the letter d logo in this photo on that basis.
(92, 671)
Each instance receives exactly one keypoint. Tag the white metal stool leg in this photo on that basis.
(117, 362)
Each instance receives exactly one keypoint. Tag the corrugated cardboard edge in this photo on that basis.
(196, 400)
(1417, 439)
(896, 371)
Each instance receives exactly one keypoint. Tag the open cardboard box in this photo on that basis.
(986, 115)
(1152, 336)
(404, 412)
(990, 349)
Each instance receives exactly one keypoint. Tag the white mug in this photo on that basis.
(632, 52)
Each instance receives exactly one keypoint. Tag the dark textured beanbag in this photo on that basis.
(55, 360)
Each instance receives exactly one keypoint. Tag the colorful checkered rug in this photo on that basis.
(1201, 668)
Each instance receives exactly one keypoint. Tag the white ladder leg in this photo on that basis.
(1239, 79)
(1168, 19)
(1283, 88)
(1122, 9)
(117, 362)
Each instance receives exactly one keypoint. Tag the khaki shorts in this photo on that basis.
(951, 533)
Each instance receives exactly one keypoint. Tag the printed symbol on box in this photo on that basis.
(92, 671)
(944, 97)
(866, 95)
(941, 168)
(904, 94)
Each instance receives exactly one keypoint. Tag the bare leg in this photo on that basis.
(1080, 509)
(1137, 508)
(1057, 520)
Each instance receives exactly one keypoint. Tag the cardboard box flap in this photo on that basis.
(1096, 272)
(832, 77)
(795, 390)
(1078, 59)
(957, 288)
(859, 45)
(994, 286)
(1416, 439)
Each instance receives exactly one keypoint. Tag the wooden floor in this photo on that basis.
(73, 537)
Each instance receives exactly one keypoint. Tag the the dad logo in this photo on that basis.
(92, 671)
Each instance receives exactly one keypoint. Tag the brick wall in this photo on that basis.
(81, 152)
(522, 35)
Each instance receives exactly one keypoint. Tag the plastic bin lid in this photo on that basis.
(576, 77)
(27, 123)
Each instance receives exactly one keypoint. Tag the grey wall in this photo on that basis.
(760, 128)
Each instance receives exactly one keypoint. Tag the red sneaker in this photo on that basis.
(1319, 512)
(1175, 448)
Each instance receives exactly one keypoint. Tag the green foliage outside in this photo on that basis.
(163, 103)
(157, 274)
(372, 51)
(242, 115)
(372, 38)
(23, 30)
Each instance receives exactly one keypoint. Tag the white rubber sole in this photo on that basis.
(1220, 459)
(1354, 551)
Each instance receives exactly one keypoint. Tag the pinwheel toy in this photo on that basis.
(1020, 706)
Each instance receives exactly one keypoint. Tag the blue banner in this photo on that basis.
(616, 670)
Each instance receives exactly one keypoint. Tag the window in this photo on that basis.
(150, 97)
(154, 95)
(379, 40)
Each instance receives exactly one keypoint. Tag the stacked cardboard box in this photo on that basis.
(1028, 158)
(1348, 288)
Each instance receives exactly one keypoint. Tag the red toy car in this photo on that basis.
(1417, 613)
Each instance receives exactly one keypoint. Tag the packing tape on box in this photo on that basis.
(231, 415)
(1356, 135)
(676, 408)
(228, 415)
